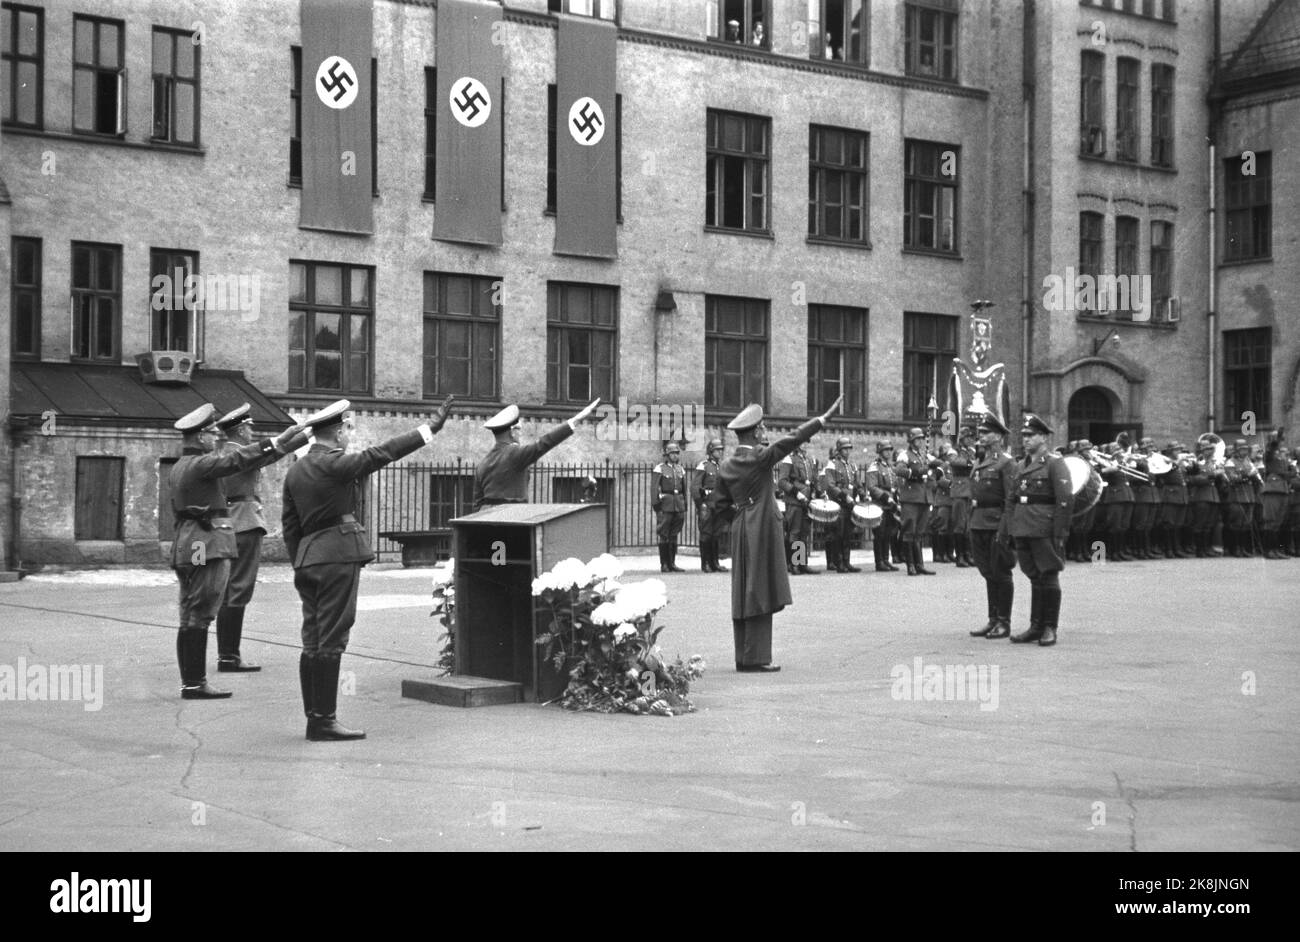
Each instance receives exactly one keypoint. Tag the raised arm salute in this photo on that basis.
(502, 476)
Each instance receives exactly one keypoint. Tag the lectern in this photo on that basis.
(499, 551)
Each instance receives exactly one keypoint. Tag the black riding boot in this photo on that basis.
(322, 725)
(192, 653)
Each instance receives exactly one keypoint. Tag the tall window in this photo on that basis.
(929, 346)
(98, 496)
(930, 196)
(430, 131)
(735, 352)
(295, 103)
(1090, 245)
(1092, 104)
(173, 310)
(837, 184)
(1162, 262)
(98, 76)
(601, 9)
(551, 128)
(462, 321)
(24, 65)
(175, 87)
(736, 171)
(450, 496)
(581, 341)
(837, 358)
(740, 21)
(25, 298)
(1126, 109)
(1247, 374)
(96, 301)
(930, 45)
(1162, 115)
(1248, 203)
(838, 29)
(1126, 262)
(331, 323)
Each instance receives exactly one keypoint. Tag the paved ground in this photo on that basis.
(1139, 731)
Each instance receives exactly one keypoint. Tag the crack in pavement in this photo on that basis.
(194, 753)
(1132, 813)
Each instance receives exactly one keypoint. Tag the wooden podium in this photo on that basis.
(499, 551)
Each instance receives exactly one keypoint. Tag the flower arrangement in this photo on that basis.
(444, 604)
(603, 632)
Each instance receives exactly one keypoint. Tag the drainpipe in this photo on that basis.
(1027, 201)
(1211, 320)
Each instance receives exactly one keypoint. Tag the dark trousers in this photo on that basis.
(1202, 516)
(243, 569)
(914, 520)
(996, 563)
(1144, 516)
(201, 591)
(798, 533)
(329, 606)
(753, 639)
(670, 524)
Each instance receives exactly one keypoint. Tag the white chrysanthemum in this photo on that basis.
(624, 630)
(643, 598)
(570, 573)
(609, 613)
(543, 582)
(607, 588)
(445, 576)
(604, 567)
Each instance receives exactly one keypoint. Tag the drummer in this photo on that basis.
(839, 481)
(880, 483)
(795, 483)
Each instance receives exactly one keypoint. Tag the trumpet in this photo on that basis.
(1106, 463)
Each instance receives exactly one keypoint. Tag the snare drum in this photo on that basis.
(823, 510)
(866, 516)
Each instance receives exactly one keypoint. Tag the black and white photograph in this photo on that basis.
(652, 426)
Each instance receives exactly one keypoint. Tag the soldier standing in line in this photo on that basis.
(1242, 480)
(328, 546)
(913, 468)
(205, 543)
(705, 480)
(1146, 503)
(960, 464)
(1117, 505)
(881, 486)
(1173, 503)
(1203, 498)
(993, 490)
(839, 480)
(1040, 518)
(795, 475)
(1278, 476)
(941, 503)
(250, 527)
(1291, 530)
(502, 476)
(668, 485)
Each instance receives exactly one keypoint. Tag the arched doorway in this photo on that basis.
(1091, 416)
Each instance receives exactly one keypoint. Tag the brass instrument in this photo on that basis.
(1105, 463)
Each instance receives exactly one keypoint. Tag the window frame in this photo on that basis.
(1248, 200)
(96, 294)
(756, 344)
(819, 169)
(434, 317)
(945, 46)
(552, 161)
(94, 68)
(715, 171)
(310, 307)
(295, 98)
(1162, 115)
(1127, 133)
(1161, 254)
(461, 485)
(1258, 373)
(1128, 252)
(195, 317)
(819, 27)
(938, 358)
(1092, 244)
(818, 400)
(1092, 103)
(913, 182)
(559, 327)
(19, 289)
(717, 16)
(172, 79)
(14, 60)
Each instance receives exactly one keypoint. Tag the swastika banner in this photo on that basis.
(467, 175)
(337, 176)
(586, 198)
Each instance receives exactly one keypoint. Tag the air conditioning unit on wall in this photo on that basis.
(166, 366)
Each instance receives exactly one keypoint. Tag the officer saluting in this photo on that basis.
(205, 537)
(669, 503)
(502, 476)
(1040, 520)
(993, 492)
(328, 547)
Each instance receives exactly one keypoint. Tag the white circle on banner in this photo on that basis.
(470, 102)
(336, 82)
(586, 122)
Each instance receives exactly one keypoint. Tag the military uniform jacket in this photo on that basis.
(960, 466)
(503, 472)
(241, 495)
(1117, 490)
(704, 482)
(1145, 493)
(322, 487)
(1201, 487)
(669, 488)
(1173, 485)
(1044, 498)
(197, 491)
(993, 490)
(1277, 476)
(1242, 481)
(941, 490)
(793, 478)
(880, 482)
(838, 479)
(912, 472)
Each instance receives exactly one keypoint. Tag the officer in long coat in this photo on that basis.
(1040, 520)
(668, 487)
(328, 546)
(703, 482)
(205, 543)
(245, 507)
(993, 495)
(760, 586)
(502, 476)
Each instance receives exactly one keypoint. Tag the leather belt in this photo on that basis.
(244, 499)
(988, 504)
(332, 522)
(1032, 499)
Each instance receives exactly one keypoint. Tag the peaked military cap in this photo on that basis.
(1033, 425)
(506, 418)
(748, 418)
(991, 423)
(201, 418)
(235, 416)
(330, 415)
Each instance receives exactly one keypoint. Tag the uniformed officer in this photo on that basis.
(703, 483)
(205, 542)
(1116, 505)
(960, 465)
(839, 480)
(1040, 518)
(328, 546)
(1146, 502)
(1203, 479)
(668, 485)
(993, 492)
(940, 487)
(795, 476)
(913, 468)
(250, 527)
(881, 486)
(1242, 479)
(1278, 476)
(502, 476)
(1173, 502)
(1082, 527)
(760, 586)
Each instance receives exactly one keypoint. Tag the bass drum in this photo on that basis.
(1085, 483)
